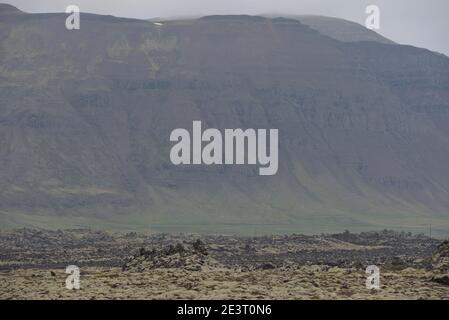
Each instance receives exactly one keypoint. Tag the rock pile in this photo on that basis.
(441, 279)
(191, 258)
(440, 264)
(440, 259)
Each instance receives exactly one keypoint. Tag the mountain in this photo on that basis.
(7, 9)
(342, 30)
(339, 29)
(86, 116)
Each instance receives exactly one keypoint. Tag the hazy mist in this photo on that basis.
(416, 22)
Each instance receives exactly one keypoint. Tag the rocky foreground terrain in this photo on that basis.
(163, 266)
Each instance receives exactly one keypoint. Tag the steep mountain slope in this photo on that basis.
(85, 120)
(343, 30)
(339, 29)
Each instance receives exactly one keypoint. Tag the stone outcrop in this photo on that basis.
(192, 258)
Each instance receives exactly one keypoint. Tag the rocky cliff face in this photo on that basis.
(85, 120)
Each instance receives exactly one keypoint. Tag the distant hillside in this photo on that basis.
(7, 9)
(338, 29)
(85, 119)
(342, 30)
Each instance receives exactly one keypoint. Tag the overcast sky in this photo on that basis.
(422, 23)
